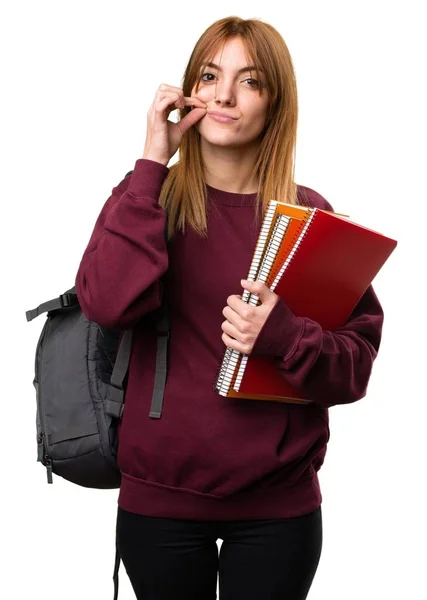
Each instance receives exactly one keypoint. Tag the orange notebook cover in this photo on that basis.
(325, 274)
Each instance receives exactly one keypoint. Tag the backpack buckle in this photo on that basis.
(65, 300)
(114, 406)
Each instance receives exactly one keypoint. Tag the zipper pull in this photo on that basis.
(40, 448)
(48, 464)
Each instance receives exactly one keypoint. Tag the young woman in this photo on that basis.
(215, 468)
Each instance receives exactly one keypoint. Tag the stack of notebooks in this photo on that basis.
(320, 263)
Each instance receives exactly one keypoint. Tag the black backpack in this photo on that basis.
(80, 377)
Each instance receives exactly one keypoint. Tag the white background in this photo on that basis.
(77, 81)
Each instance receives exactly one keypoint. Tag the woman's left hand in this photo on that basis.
(243, 321)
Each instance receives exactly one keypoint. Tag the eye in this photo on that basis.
(207, 75)
(253, 83)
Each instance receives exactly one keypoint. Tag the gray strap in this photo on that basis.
(73, 432)
(163, 332)
(122, 360)
(63, 301)
(114, 406)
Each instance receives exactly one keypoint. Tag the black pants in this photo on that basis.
(170, 559)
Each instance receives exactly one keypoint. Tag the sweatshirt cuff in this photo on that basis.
(147, 179)
(280, 334)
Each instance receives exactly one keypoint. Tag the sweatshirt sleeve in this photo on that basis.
(118, 279)
(329, 367)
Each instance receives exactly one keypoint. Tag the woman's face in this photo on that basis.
(227, 88)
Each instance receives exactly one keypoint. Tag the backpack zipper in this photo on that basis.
(44, 458)
(48, 464)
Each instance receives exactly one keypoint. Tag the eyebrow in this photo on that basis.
(243, 70)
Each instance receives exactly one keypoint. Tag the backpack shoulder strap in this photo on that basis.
(114, 405)
(163, 333)
(63, 301)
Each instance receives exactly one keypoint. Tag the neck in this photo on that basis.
(230, 169)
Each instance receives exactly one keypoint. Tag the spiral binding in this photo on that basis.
(280, 227)
(263, 238)
(232, 357)
(293, 246)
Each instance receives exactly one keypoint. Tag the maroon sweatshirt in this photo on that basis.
(210, 457)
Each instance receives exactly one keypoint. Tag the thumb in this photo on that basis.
(258, 288)
(191, 119)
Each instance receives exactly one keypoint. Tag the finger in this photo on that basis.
(193, 101)
(258, 288)
(166, 106)
(189, 100)
(236, 335)
(228, 340)
(230, 330)
(161, 96)
(232, 317)
(244, 310)
(170, 89)
(191, 119)
(233, 344)
(164, 87)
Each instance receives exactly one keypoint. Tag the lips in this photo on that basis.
(221, 117)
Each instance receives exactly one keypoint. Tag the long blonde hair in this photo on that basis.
(184, 190)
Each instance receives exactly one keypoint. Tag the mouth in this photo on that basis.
(221, 117)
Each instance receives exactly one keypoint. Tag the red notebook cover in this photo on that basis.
(333, 265)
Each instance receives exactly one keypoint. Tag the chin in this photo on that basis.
(222, 142)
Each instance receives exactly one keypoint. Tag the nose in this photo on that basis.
(224, 94)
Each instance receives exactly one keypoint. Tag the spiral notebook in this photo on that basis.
(320, 275)
(280, 219)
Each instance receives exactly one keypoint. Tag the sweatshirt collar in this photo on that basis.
(230, 198)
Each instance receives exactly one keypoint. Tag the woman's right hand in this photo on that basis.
(163, 136)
